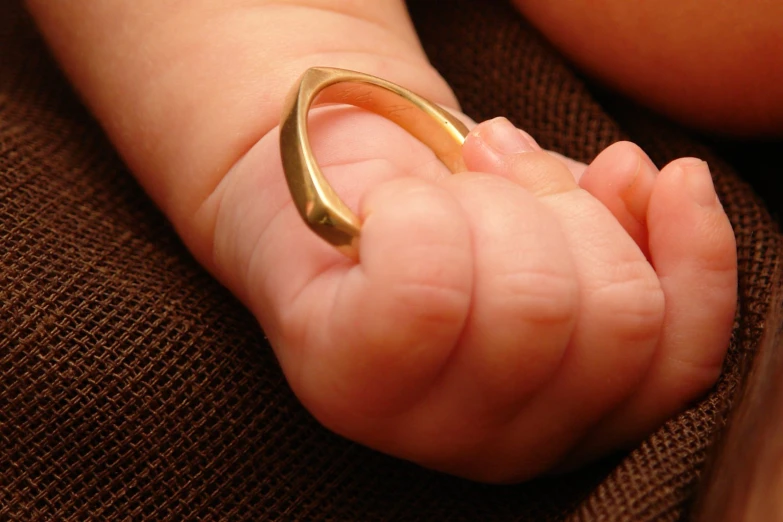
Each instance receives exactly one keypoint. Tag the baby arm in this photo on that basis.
(185, 89)
(498, 321)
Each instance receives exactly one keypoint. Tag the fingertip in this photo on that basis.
(497, 147)
(697, 180)
(689, 228)
(622, 178)
(489, 145)
(685, 204)
(625, 170)
(612, 172)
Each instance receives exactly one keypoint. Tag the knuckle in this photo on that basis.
(526, 331)
(433, 304)
(540, 297)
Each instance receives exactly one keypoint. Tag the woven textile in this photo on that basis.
(132, 386)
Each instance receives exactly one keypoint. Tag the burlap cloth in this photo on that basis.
(132, 386)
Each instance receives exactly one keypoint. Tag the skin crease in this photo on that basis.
(717, 66)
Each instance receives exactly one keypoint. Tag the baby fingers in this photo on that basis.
(693, 250)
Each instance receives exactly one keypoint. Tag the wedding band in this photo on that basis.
(318, 204)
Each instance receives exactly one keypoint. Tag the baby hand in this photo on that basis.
(500, 322)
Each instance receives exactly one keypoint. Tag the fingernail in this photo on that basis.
(699, 182)
(501, 135)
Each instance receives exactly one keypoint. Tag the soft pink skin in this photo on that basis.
(500, 322)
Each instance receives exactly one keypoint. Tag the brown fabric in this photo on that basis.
(132, 386)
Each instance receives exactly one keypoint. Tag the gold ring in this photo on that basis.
(320, 207)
